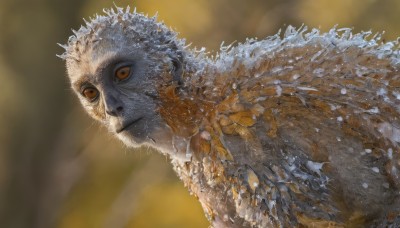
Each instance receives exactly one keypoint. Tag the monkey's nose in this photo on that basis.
(114, 111)
(113, 106)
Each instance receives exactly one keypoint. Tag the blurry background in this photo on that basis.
(60, 169)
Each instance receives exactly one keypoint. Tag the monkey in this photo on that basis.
(294, 130)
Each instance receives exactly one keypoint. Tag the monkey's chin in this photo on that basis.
(130, 139)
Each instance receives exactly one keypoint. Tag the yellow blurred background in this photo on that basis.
(60, 169)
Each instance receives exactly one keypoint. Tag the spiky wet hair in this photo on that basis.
(135, 28)
(121, 25)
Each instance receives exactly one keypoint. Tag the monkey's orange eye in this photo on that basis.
(123, 73)
(90, 93)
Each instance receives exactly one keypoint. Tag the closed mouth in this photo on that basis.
(128, 125)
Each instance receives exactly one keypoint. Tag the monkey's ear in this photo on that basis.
(177, 70)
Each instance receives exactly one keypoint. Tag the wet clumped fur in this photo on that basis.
(295, 130)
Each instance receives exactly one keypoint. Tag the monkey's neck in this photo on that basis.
(191, 111)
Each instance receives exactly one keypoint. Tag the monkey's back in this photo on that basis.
(297, 131)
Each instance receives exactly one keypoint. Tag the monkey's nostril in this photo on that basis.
(115, 112)
(111, 113)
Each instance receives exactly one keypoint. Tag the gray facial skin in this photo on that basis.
(127, 107)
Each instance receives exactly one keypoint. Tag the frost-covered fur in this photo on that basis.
(294, 130)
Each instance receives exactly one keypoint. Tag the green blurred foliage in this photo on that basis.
(60, 169)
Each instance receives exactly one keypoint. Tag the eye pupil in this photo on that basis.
(123, 73)
(90, 93)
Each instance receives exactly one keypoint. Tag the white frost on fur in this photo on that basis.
(389, 131)
(315, 166)
(230, 56)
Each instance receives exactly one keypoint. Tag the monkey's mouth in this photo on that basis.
(123, 128)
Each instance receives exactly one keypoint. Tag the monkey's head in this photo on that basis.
(116, 65)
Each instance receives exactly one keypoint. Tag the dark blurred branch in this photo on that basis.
(66, 167)
(29, 33)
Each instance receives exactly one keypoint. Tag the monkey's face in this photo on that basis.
(118, 85)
